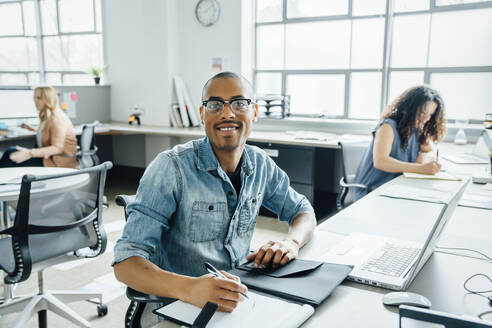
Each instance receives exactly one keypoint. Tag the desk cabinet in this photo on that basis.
(312, 171)
(297, 162)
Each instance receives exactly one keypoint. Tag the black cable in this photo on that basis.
(464, 249)
(481, 315)
(479, 292)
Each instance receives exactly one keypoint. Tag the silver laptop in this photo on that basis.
(479, 155)
(390, 263)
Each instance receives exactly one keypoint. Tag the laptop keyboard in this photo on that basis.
(391, 260)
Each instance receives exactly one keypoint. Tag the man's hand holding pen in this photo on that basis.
(226, 291)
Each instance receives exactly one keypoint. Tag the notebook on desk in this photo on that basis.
(284, 297)
(253, 312)
(438, 176)
(391, 263)
(479, 155)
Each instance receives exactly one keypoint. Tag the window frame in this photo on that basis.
(39, 37)
(385, 69)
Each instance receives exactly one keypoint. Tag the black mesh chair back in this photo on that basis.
(54, 215)
(86, 155)
(351, 155)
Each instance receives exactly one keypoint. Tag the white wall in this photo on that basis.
(149, 42)
(140, 42)
(198, 44)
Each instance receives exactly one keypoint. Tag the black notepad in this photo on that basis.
(301, 281)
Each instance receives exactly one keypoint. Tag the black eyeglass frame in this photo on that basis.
(205, 102)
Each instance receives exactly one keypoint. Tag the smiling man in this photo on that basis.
(199, 202)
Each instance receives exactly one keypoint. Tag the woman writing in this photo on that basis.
(55, 136)
(407, 129)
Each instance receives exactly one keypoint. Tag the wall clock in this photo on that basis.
(207, 12)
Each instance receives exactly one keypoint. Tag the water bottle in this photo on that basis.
(460, 137)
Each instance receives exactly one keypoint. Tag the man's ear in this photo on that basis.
(255, 113)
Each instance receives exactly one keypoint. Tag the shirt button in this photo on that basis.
(231, 193)
(210, 207)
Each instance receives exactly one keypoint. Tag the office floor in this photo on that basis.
(97, 275)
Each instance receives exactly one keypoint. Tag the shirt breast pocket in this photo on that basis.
(247, 215)
(208, 221)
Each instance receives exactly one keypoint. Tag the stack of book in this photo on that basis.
(183, 114)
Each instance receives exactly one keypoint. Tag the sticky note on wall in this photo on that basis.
(69, 101)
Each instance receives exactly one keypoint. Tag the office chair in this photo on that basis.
(351, 154)
(86, 152)
(138, 300)
(61, 223)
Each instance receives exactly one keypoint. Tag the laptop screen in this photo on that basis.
(483, 145)
(430, 244)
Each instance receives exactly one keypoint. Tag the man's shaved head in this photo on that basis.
(246, 85)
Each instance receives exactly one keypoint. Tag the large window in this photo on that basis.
(49, 41)
(350, 58)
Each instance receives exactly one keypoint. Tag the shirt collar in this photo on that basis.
(207, 161)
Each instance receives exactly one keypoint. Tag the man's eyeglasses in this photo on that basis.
(238, 106)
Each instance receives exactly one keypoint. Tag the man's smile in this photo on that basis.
(227, 128)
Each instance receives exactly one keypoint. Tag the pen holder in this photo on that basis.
(134, 117)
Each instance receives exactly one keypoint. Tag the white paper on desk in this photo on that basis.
(438, 176)
(414, 193)
(310, 135)
(255, 312)
(478, 199)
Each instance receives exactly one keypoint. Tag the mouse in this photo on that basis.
(406, 298)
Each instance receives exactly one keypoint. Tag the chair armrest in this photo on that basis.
(136, 296)
(123, 200)
(352, 185)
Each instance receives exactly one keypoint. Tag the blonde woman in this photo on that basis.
(55, 136)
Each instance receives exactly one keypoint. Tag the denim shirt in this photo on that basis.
(186, 211)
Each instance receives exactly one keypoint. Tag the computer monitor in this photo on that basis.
(17, 104)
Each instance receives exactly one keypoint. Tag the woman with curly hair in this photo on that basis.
(407, 129)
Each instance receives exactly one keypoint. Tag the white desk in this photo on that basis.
(441, 279)
(278, 137)
(10, 192)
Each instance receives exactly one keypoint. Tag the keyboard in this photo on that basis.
(391, 260)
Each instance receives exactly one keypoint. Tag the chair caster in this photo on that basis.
(102, 310)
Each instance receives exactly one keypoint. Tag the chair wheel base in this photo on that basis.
(102, 310)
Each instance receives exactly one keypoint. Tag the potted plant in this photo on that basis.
(96, 72)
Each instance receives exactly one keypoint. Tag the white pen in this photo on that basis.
(210, 268)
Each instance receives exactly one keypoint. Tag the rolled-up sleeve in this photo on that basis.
(281, 198)
(150, 214)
